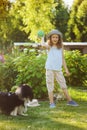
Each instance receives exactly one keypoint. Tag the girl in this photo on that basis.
(54, 63)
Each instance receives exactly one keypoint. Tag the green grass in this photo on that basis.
(62, 117)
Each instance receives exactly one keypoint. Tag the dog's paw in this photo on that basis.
(11, 114)
(24, 114)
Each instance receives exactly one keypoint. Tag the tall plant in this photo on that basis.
(77, 25)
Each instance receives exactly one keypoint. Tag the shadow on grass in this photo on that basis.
(34, 122)
(63, 117)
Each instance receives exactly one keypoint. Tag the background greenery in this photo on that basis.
(21, 20)
(29, 67)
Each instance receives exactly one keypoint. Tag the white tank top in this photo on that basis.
(54, 59)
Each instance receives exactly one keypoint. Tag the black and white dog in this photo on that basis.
(16, 103)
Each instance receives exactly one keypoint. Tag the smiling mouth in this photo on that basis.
(55, 41)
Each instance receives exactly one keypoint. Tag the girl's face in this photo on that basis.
(55, 39)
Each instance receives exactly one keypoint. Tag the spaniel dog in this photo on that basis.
(16, 103)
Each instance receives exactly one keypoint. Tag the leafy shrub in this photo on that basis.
(77, 65)
(7, 74)
(31, 70)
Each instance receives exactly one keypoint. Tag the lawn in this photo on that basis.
(62, 117)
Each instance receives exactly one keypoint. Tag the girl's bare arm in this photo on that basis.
(44, 44)
(64, 64)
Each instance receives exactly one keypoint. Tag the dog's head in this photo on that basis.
(24, 91)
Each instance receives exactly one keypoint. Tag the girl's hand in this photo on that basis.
(67, 73)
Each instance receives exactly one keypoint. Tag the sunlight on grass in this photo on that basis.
(62, 117)
(78, 94)
(69, 118)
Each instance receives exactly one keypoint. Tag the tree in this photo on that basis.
(36, 15)
(16, 23)
(10, 27)
(61, 17)
(77, 25)
(4, 8)
(4, 13)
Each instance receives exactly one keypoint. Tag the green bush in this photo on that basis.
(77, 65)
(7, 74)
(31, 70)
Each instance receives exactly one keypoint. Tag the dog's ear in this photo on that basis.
(18, 92)
(27, 91)
(24, 91)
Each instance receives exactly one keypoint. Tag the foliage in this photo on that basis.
(17, 34)
(4, 8)
(10, 30)
(62, 117)
(34, 14)
(77, 64)
(4, 24)
(7, 74)
(21, 20)
(30, 68)
(19, 24)
(61, 17)
(77, 25)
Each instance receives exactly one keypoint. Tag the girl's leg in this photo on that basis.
(65, 91)
(61, 80)
(70, 101)
(52, 104)
(50, 94)
(50, 84)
